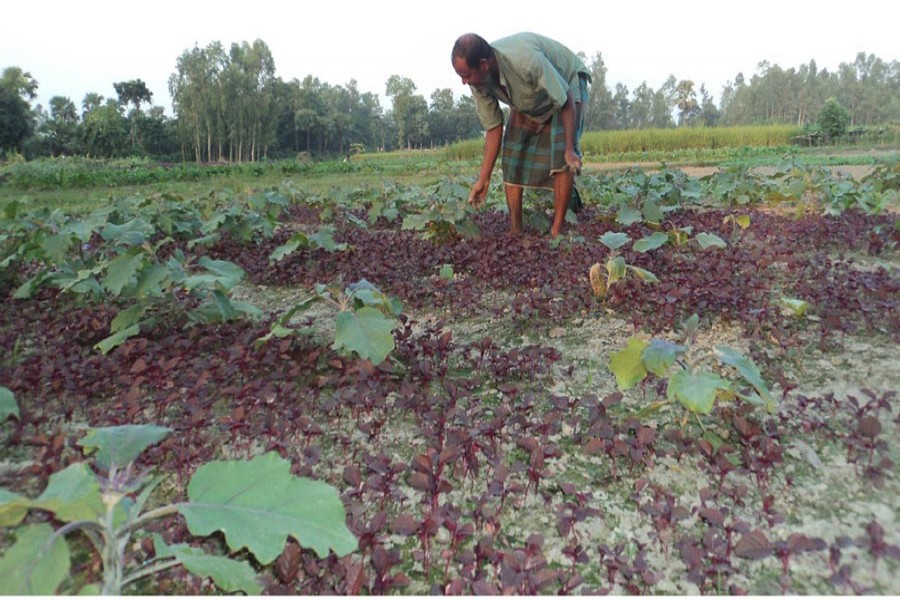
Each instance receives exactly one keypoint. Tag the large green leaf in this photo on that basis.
(56, 246)
(107, 344)
(13, 508)
(295, 241)
(257, 504)
(652, 212)
(616, 269)
(121, 444)
(31, 566)
(151, 279)
(696, 391)
(660, 355)
(628, 216)
(643, 274)
(651, 242)
(127, 317)
(132, 233)
(324, 239)
(614, 239)
(122, 269)
(72, 494)
(218, 273)
(749, 371)
(710, 240)
(8, 406)
(627, 365)
(228, 574)
(366, 331)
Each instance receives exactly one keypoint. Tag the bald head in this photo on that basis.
(473, 49)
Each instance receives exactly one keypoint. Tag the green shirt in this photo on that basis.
(535, 75)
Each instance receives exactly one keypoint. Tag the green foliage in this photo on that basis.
(258, 504)
(445, 216)
(323, 238)
(130, 253)
(814, 186)
(364, 323)
(8, 406)
(737, 185)
(638, 197)
(694, 387)
(834, 119)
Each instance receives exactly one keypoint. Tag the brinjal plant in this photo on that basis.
(366, 318)
(446, 216)
(257, 504)
(694, 387)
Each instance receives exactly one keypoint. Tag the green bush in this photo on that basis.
(834, 119)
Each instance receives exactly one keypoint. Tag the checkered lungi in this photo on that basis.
(533, 152)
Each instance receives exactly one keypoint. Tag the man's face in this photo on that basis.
(478, 78)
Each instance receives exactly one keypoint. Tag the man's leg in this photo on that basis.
(514, 204)
(562, 189)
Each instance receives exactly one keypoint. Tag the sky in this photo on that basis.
(72, 47)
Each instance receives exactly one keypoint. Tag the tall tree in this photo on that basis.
(105, 131)
(709, 114)
(600, 110)
(133, 93)
(686, 101)
(61, 129)
(17, 89)
(196, 98)
(409, 110)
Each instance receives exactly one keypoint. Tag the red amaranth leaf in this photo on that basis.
(753, 545)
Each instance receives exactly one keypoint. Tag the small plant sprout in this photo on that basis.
(616, 267)
(737, 222)
(256, 504)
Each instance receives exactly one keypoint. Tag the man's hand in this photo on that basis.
(478, 194)
(573, 161)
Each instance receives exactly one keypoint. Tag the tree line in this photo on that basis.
(229, 105)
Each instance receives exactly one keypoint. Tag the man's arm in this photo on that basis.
(568, 115)
(492, 140)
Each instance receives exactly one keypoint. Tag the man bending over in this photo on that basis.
(545, 85)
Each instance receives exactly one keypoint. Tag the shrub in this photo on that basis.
(834, 119)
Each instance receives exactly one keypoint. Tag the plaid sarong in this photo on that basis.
(532, 153)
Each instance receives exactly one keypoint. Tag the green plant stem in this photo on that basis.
(150, 570)
(152, 515)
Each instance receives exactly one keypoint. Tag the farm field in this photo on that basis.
(692, 391)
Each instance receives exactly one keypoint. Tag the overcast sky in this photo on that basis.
(72, 48)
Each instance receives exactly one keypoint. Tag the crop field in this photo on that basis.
(344, 380)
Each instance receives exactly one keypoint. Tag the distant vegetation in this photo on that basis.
(230, 107)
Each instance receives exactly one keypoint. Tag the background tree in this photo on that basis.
(196, 99)
(709, 114)
(663, 104)
(17, 90)
(105, 131)
(600, 110)
(409, 110)
(133, 93)
(686, 101)
(641, 110)
(61, 129)
(441, 114)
